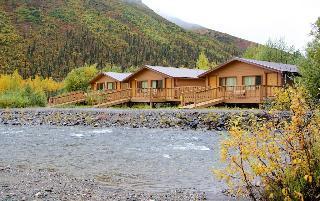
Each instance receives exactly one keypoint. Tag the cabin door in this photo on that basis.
(134, 87)
(272, 80)
(213, 82)
(168, 86)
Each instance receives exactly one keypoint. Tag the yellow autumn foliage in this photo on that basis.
(16, 82)
(272, 160)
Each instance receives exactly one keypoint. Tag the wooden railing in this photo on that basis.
(109, 96)
(242, 92)
(269, 91)
(188, 94)
(208, 94)
(229, 92)
(184, 94)
(67, 98)
(165, 94)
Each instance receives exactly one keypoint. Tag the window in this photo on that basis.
(228, 81)
(111, 86)
(100, 86)
(252, 80)
(249, 80)
(156, 84)
(143, 84)
(258, 80)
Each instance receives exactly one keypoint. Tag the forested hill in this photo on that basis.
(51, 37)
(225, 38)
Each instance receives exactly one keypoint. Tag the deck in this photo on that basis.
(187, 97)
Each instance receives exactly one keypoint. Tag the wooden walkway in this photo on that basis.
(187, 97)
(205, 104)
(67, 99)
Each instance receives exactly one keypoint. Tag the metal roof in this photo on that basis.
(117, 76)
(275, 66)
(280, 67)
(177, 72)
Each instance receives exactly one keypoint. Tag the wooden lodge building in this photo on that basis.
(237, 81)
(109, 81)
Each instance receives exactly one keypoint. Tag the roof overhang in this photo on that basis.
(146, 68)
(238, 60)
(100, 75)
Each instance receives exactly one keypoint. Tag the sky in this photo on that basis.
(255, 20)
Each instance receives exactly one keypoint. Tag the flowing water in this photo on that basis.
(138, 159)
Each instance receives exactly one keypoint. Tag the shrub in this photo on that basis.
(16, 92)
(274, 160)
(78, 79)
(35, 98)
(25, 97)
(13, 100)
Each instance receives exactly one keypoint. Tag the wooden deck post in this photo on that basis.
(195, 99)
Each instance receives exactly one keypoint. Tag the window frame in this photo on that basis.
(255, 80)
(100, 86)
(224, 80)
(159, 84)
(113, 86)
(140, 84)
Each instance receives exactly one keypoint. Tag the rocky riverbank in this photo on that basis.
(23, 183)
(180, 119)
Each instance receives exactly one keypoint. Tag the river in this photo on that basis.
(153, 160)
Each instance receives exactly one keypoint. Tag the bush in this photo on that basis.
(26, 97)
(78, 79)
(35, 98)
(13, 100)
(275, 160)
(17, 92)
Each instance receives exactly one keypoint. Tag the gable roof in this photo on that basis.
(172, 72)
(116, 76)
(279, 67)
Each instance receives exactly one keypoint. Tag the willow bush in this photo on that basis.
(272, 160)
(16, 92)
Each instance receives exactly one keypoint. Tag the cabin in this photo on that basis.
(163, 83)
(109, 81)
(238, 81)
(249, 81)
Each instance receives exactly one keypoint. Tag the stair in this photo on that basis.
(68, 103)
(112, 103)
(204, 104)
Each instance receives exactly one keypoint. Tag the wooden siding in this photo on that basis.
(168, 82)
(145, 75)
(199, 82)
(239, 70)
(106, 79)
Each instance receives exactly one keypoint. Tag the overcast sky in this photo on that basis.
(256, 20)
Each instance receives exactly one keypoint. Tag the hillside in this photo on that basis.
(50, 38)
(239, 43)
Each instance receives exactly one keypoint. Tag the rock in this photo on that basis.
(180, 119)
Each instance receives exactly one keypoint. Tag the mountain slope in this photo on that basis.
(181, 23)
(50, 38)
(240, 43)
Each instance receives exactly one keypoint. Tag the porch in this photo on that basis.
(187, 97)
